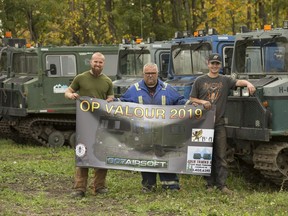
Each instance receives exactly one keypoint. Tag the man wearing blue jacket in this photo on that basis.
(152, 90)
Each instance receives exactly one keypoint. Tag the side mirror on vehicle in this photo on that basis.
(52, 70)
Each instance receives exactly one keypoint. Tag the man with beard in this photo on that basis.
(92, 83)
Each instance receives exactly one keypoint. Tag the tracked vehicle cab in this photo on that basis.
(189, 53)
(133, 56)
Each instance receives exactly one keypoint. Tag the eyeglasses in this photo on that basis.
(150, 73)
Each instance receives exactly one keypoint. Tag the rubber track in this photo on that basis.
(25, 127)
(5, 130)
(265, 160)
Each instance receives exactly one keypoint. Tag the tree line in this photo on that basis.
(74, 22)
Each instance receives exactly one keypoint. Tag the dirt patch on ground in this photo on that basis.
(53, 193)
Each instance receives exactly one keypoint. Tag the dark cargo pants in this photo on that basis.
(81, 178)
(168, 180)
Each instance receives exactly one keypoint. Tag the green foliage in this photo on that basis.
(37, 181)
(74, 22)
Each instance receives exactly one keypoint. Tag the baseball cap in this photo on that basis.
(215, 57)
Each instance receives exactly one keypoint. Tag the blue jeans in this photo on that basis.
(219, 170)
(168, 180)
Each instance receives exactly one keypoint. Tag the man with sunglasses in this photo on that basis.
(152, 90)
(213, 89)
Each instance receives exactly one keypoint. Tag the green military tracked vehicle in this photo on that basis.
(32, 86)
(257, 126)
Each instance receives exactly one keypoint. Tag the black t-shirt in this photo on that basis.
(215, 90)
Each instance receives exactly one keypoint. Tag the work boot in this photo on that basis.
(175, 187)
(209, 188)
(78, 194)
(102, 190)
(149, 189)
(226, 190)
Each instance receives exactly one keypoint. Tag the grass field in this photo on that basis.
(37, 181)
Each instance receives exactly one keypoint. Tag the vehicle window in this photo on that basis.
(164, 59)
(182, 61)
(267, 55)
(274, 59)
(26, 63)
(228, 53)
(177, 129)
(65, 65)
(3, 62)
(253, 60)
(132, 61)
(199, 59)
(115, 124)
(190, 58)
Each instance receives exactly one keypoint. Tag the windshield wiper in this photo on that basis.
(142, 48)
(199, 45)
(177, 53)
